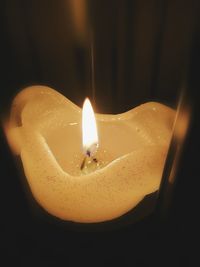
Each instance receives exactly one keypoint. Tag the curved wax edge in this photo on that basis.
(103, 195)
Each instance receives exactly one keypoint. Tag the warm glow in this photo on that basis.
(89, 129)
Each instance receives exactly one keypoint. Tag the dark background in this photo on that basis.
(141, 51)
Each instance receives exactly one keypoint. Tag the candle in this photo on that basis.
(45, 130)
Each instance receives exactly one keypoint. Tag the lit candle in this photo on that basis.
(44, 128)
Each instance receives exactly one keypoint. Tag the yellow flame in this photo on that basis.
(89, 129)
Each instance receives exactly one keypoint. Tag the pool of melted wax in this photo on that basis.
(83, 165)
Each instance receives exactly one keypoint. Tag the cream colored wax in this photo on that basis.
(45, 130)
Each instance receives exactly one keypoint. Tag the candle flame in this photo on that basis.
(89, 129)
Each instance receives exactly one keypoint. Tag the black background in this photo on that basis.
(161, 52)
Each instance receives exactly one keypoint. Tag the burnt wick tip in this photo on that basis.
(88, 153)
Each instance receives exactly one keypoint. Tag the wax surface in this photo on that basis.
(45, 130)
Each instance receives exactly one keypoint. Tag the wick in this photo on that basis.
(83, 163)
(84, 160)
(88, 153)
